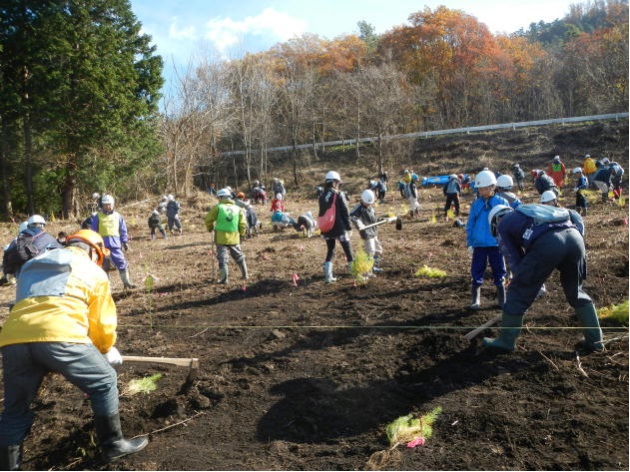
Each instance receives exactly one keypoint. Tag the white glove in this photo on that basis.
(471, 250)
(113, 357)
(360, 225)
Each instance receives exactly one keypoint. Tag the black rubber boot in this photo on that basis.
(11, 457)
(110, 438)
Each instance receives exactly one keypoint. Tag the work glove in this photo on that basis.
(360, 225)
(125, 246)
(471, 250)
(113, 357)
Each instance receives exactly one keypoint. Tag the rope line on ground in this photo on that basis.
(437, 327)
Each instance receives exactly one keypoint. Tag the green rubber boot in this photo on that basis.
(510, 329)
(587, 316)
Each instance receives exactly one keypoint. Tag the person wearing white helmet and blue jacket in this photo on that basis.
(581, 185)
(112, 227)
(30, 242)
(537, 239)
(482, 245)
(340, 228)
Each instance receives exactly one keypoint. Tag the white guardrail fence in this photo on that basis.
(426, 134)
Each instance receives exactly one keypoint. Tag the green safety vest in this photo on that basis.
(228, 218)
(109, 225)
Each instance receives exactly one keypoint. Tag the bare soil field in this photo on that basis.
(297, 374)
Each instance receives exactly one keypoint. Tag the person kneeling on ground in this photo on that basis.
(73, 334)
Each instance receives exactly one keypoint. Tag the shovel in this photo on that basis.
(390, 219)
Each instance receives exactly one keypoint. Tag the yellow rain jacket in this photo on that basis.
(62, 296)
(228, 221)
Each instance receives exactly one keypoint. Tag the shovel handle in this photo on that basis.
(191, 362)
(486, 325)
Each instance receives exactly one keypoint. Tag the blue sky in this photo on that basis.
(185, 31)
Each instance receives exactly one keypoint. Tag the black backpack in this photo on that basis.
(22, 251)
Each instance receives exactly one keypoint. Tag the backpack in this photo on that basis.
(553, 216)
(22, 251)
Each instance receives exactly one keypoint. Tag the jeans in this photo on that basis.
(25, 366)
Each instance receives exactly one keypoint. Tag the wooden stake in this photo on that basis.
(191, 362)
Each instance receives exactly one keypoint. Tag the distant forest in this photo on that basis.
(79, 94)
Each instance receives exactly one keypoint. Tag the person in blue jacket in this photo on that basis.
(112, 227)
(482, 245)
(537, 239)
(581, 185)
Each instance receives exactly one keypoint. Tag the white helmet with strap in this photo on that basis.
(485, 178)
(333, 175)
(368, 197)
(224, 193)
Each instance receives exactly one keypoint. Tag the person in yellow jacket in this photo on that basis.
(229, 225)
(64, 320)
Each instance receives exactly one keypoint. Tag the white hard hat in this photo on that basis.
(224, 193)
(23, 226)
(170, 197)
(96, 195)
(333, 175)
(548, 196)
(452, 177)
(485, 178)
(605, 161)
(36, 220)
(505, 181)
(577, 170)
(496, 212)
(368, 197)
(278, 196)
(556, 158)
(107, 200)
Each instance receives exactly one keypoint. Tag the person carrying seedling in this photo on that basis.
(112, 227)
(504, 190)
(451, 190)
(63, 321)
(537, 239)
(581, 185)
(363, 215)
(482, 245)
(333, 210)
(155, 222)
(410, 192)
(172, 214)
(229, 225)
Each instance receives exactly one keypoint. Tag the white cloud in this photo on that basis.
(225, 32)
(181, 33)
